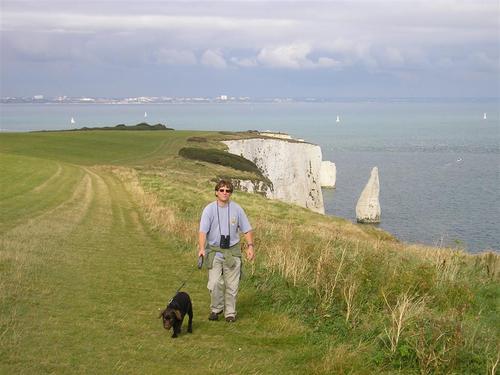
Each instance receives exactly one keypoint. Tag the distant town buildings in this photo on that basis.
(62, 99)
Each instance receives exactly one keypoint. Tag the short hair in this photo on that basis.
(225, 183)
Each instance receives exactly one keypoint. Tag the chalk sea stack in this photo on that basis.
(328, 174)
(368, 206)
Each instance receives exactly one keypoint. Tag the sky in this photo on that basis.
(328, 49)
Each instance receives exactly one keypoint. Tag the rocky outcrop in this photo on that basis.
(292, 167)
(251, 186)
(328, 174)
(368, 206)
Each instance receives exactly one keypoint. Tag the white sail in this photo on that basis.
(72, 120)
(484, 116)
(145, 114)
(338, 118)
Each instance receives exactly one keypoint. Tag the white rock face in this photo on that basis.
(249, 186)
(368, 206)
(328, 174)
(292, 167)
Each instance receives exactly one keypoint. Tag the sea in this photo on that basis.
(438, 160)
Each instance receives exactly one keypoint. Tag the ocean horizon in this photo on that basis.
(438, 160)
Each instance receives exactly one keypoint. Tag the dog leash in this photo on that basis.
(200, 264)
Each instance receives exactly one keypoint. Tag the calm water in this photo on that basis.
(439, 162)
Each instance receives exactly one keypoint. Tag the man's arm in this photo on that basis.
(202, 243)
(250, 245)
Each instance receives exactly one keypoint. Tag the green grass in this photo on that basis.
(97, 147)
(98, 230)
(32, 186)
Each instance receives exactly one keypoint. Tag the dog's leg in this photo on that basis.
(190, 314)
(180, 325)
(176, 328)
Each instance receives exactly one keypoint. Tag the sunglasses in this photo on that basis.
(225, 191)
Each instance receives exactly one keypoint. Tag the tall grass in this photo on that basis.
(409, 307)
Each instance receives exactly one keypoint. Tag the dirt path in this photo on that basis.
(84, 284)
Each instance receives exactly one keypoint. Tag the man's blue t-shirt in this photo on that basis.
(231, 217)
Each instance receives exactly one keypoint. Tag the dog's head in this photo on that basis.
(169, 316)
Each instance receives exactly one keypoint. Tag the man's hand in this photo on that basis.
(250, 253)
(250, 246)
(202, 242)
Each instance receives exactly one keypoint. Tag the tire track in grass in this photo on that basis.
(52, 194)
(98, 295)
(25, 251)
(51, 179)
(92, 307)
(56, 276)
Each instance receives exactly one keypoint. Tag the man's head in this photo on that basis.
(223, 190)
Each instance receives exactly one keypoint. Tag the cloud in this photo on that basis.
(372, 38)
(246, 62)
(370, 34)
(213, 59)
(327, 62)
(42, 47)
(393, 56)
(482, 62)
(292, 56)
(175, 57)
(295, 56)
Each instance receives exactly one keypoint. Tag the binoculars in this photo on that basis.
(224, 242)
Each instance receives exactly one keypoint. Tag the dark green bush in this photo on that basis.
(141, 126)
(197, 139)
(212, 155)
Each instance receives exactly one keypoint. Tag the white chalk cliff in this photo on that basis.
(249, 186)
(293, 168)
(368, 206)
(328, 174)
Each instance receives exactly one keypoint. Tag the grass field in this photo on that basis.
(98, 230)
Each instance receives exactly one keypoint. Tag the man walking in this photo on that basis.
(219, 242)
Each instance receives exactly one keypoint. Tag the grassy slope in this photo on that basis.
(88, 254)
(83, 276)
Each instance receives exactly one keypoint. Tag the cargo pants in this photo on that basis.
(223, 283)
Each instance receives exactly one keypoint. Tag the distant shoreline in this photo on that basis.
(233, 100)
(143, 126)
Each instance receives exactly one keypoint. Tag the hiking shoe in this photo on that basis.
(231, 319)
(214, 316)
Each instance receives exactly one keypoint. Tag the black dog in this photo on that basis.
(174, 314)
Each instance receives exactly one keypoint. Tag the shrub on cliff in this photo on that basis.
(215, 156)
(197, 139)
(140, 126)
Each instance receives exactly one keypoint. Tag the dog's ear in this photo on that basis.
(161, 314)
(178, 314)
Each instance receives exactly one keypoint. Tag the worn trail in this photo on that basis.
(83, 280)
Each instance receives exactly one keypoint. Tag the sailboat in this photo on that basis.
(484, 116)
(145, 114)
(72, 120)
(338, 118)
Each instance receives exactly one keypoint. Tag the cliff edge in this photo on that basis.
(294, 168)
